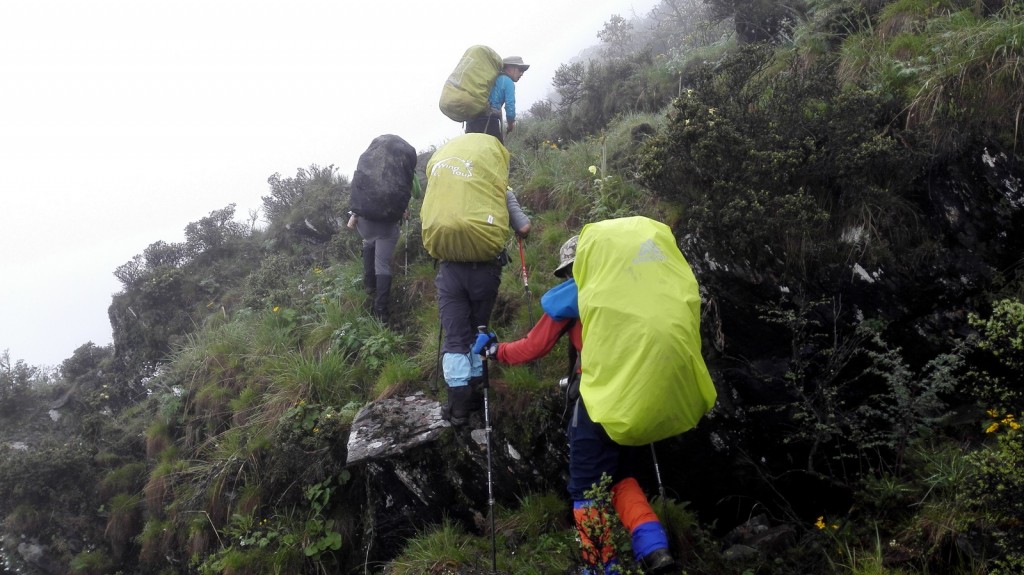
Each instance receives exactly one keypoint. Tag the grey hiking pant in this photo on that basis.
(383, 236)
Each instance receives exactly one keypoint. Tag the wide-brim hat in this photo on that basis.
(566, 256)
(516, 61)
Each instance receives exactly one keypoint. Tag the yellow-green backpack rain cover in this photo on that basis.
(644, 378)
(465, 92)
(464, 213)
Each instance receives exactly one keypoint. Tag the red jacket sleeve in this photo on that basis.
(539, 341)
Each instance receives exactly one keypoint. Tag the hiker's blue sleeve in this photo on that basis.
(560, 302)
(516, 216)
(504, 93)
(510, 100)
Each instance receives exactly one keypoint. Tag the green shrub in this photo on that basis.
(778, 168)
(996, 490)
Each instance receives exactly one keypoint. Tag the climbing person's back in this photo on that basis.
(502, 97)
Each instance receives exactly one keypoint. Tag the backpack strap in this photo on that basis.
(572, 388)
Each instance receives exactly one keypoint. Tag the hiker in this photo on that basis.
(503, 94)
(467, 217)
(591, 452)
(466, 292)
(383, 183)
(379, 242)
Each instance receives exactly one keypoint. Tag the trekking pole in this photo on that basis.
(407, 246)
(657, 474)
(526, 282)
(487, 427)
(525, 293)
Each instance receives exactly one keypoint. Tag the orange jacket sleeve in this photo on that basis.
(541, 339)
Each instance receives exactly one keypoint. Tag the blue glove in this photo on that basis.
(486, 344)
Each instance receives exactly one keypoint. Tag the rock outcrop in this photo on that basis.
(416, 470)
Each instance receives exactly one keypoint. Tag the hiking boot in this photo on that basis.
(660, 562)
(456, 411)
(369, 274)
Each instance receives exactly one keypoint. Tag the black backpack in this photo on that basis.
(382, 183)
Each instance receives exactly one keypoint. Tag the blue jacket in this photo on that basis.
(504, 93)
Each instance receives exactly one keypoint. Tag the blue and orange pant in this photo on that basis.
(593, 454)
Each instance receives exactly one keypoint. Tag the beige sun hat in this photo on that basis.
(566, 255)
(516, 61)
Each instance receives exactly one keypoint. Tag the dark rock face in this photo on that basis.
(971, 210)
(416, 470)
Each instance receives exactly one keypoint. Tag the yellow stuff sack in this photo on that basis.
(464, 213)
(465, 92)
(643, 378)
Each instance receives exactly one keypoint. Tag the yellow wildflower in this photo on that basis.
(993, 413)
(820, 523)
(277, 308)
(593, 169)
(992, 428)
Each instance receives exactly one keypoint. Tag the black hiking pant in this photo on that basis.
(487, 124)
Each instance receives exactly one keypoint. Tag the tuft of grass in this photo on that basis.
(91, 562)
(158, 438)
(444, 548)
(199, 536)
(155, 541)
(23, 519)
(124, 479)
(955, 70)
(525, 378)
(124, 521)
(398, 373)
(245, 405)
(536, 513)
(302, 377)
(211, 403)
